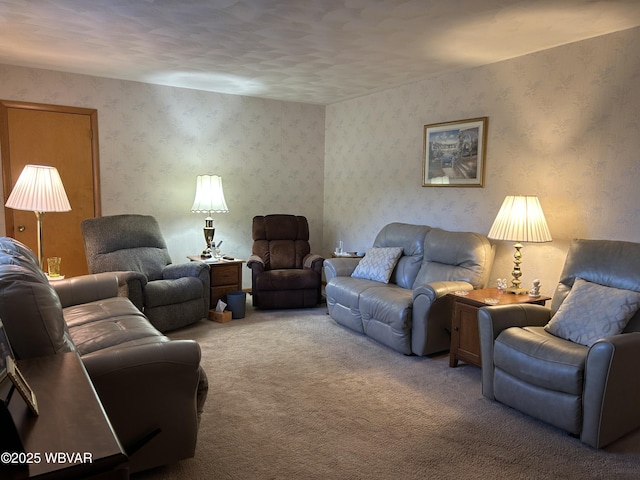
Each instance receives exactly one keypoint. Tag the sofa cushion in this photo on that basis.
(455, 256)
(34, 324)
(411, 239)
(386, 315)
(170, 292)
(541, 359)
(592, 311)
(343, 300)
(378, 264)
(287, 279)
(122, 331)
(125, 243)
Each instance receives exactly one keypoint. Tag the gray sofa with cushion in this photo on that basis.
(576, 364)
(151, 388)
(396, 294)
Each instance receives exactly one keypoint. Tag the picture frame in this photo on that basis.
(454, 153)
(21, 385)
(5, 351)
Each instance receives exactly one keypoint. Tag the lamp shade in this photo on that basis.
(209, 195)
(39, 189)
(520, 219)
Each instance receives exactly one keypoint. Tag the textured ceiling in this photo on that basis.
(312, 51)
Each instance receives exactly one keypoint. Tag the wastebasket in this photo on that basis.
(237, 302)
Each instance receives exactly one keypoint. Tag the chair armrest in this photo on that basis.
(611, 389)
(339, 267)
(186, 269)
(313, 262)
(86, 288)
(126, 277)
(492, 321)
(130, 285)
(254, 262)
(138, 385)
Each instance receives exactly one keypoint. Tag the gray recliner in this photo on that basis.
(589, 389)
(170, 295)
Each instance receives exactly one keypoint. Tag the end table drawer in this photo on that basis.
(220, 293)
(224, 275)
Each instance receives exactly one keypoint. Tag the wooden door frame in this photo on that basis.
(7, 181)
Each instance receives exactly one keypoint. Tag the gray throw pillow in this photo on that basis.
(592, 311)
(378, 264)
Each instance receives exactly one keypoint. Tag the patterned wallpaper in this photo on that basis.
(155, 140)
(564, 124)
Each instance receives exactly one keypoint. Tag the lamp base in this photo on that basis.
(209, 233)
(516, 291)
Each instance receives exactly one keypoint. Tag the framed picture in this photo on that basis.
(21, 385)
(5, 352)
(454, 153)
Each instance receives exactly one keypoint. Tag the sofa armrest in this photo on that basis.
(611, 391)
(492, 321)
(431, 316)
(339, 267)
(435, 290)
(86, 288)
(139, 385)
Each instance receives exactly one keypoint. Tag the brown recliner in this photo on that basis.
(284, 272)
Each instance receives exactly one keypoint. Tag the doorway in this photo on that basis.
(65, 138)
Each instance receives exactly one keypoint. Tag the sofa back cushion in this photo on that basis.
(281, 241)
(411, 239)
(455, 256)
(29, 306)
(125, 243)
(610, 263)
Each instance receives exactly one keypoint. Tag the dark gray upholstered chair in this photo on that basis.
(170, 295)
(584, 378)
(284, 272)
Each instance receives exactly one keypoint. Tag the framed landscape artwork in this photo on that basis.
(454, 153)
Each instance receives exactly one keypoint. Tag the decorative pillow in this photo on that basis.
(592, 311)
(378, 264)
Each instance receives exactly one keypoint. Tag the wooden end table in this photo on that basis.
(465, 339)
(72, 438)
(225, 276)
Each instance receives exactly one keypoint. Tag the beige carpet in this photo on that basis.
(292, 395)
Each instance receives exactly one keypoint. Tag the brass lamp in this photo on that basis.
(209, 199)
(39, 189)
(520, 219)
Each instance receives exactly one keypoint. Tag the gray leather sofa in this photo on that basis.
(151, 388)
(411, 313)
(589, 387)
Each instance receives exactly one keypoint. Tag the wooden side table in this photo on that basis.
(465, 339)
(225, 276)
(72, 437)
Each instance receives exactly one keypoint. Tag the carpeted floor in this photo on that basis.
(292, 395)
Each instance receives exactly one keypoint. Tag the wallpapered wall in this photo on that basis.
(564, 124)
(155, 140)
